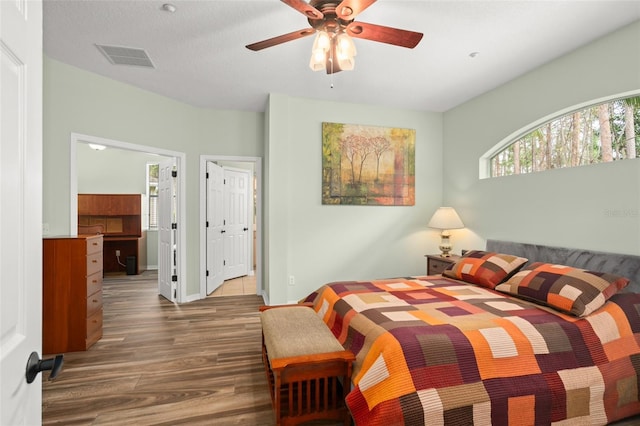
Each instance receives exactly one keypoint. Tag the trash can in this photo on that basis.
(131, 265)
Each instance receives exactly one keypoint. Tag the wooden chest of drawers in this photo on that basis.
(71, 293)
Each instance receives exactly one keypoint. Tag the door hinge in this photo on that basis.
(207, 273)
(224, 181)
(207, 175)
(224, 221)
(174, 226)
(175, 294)
(174, 173)
(207, 224)
(174, 278)
(224, 262)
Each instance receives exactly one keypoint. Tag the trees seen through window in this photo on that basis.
(598, 134)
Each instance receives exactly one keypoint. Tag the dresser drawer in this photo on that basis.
(94, 245)
(94, 283)
(436, 267)
(94, 328)
(94, 263)
(94, 302)
(436, 264)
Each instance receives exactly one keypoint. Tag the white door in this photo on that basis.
(215, 226)
(20, 209)
(167, 256)
(236, 218)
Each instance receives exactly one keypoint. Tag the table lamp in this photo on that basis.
(445, 218)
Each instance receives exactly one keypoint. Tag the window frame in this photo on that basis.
(484, 164)
(149, 196)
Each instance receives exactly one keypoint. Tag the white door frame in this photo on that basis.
(203, 217)
(20, 210)
(181, 164)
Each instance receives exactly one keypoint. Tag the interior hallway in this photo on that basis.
(237, 287)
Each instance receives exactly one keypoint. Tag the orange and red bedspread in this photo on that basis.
(431, 350)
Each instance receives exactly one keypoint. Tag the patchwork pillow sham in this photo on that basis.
(567, 289)
(484, 268)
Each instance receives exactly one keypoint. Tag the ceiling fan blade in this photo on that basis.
(348, 9)
(304, 8)
(382, 34)
(280, 39)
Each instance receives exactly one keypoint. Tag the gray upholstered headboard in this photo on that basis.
(625, 265)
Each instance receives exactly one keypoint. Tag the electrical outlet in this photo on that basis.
(292, 280)
(117, 253)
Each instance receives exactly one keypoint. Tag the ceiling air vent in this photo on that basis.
(126, 56)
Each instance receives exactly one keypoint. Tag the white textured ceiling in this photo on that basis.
(201, 60)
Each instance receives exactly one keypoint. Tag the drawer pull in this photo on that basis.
(94, 261)
(95, 244)
(95, 301)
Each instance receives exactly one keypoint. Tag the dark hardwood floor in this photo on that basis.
(160, 363)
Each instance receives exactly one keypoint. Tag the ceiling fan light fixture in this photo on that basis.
(318, 60)
(345, 51)
(321, 46)
(322, 41)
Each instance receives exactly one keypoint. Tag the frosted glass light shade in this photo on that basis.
(321, 46)
(345, 51)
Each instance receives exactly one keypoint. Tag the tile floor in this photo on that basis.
(237, 287)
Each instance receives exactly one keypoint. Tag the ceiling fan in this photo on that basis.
(333, 22)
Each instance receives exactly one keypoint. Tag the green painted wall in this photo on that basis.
(594, 207)
(318, 243)
(76, 101)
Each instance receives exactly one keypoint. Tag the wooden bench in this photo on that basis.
(307, 368)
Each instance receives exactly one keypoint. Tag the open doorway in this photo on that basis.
(218, 221)
(79, 142)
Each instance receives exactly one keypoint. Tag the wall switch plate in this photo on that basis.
(292, 280)
(118, 253)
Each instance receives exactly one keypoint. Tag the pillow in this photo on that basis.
(564, 288)
(484, 268)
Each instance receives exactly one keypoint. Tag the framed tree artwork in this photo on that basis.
(368, 165)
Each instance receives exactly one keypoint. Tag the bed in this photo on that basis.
(517, 346)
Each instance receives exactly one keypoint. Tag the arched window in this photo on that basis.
(599, 133)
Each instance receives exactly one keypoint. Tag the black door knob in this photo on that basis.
(36, 365)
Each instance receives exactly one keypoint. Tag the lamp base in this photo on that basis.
(446, 251)
(445, 246)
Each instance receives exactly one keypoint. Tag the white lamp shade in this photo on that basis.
(445, 218)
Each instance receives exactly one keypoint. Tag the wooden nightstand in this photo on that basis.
(436, 263)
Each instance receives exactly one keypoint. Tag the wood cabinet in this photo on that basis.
(71, 293)
(109, 204)
(436, 263)
(119, 218)
(119, 214)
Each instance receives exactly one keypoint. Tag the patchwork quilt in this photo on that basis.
(436, 351)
